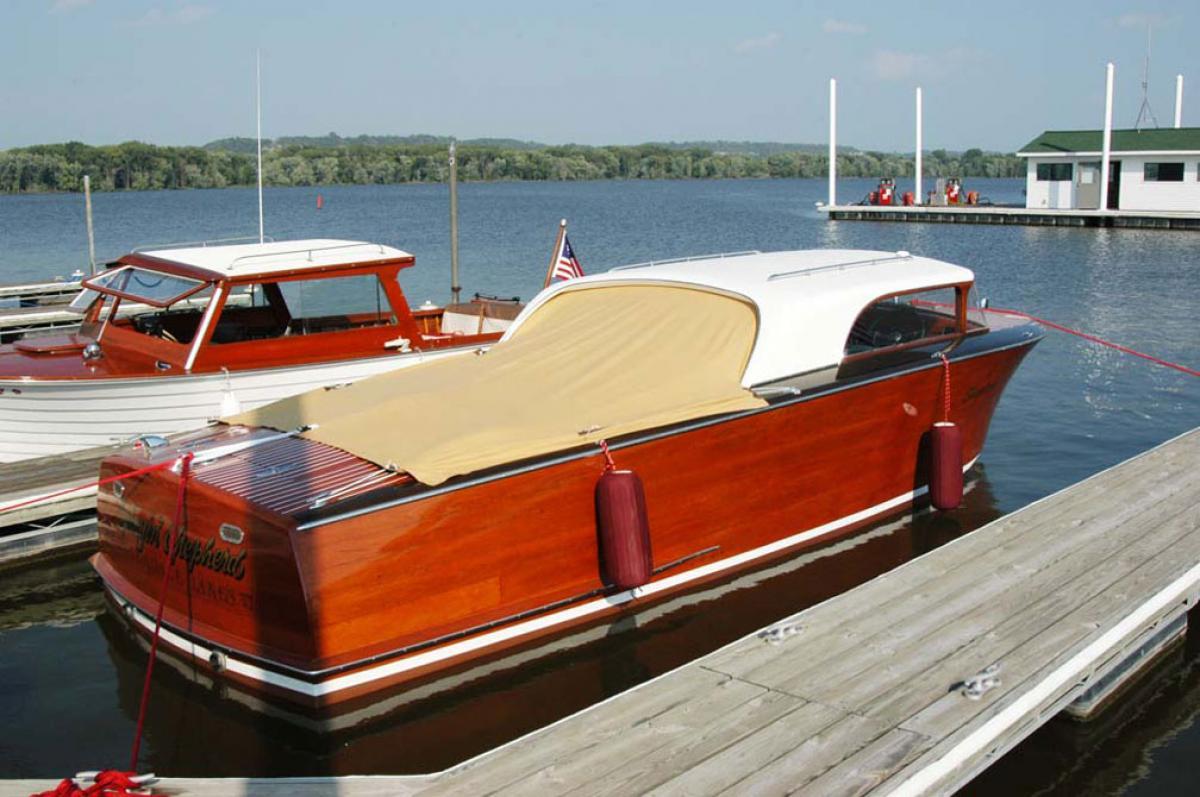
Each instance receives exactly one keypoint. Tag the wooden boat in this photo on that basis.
(429, 519)
(172, 338)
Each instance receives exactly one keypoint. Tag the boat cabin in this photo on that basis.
(201, 309)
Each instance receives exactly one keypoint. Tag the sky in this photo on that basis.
(994, 75)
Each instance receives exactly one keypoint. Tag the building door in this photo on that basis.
(1087, 186)
(1114, 185)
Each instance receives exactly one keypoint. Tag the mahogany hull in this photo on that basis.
(329, 609)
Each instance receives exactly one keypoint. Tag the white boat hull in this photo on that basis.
(44, 417)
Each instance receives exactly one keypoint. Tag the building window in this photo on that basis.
(1055, 172)
(1163, 172)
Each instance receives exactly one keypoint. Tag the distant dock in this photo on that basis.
(997, 214)
(910, 684)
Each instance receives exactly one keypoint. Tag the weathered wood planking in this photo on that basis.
(31, 478)
(858, 697)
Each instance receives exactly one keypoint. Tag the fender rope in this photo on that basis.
(945, 386)
(608, 460)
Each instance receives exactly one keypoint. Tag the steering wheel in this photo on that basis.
(152, 325)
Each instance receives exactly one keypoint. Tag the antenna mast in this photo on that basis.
(1146, 111)
(258, 113)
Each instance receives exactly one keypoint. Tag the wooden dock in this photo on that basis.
(48, 526)
(909, 684)
(997, 214)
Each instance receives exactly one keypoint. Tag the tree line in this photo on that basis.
(138, 166)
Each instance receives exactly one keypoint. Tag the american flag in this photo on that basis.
(566, 265)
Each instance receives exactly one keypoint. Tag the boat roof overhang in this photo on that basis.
(279, 259)
(806, 300)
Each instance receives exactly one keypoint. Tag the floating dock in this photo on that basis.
(909, 684)
(38, 527)
(36, 307)
(997, 214)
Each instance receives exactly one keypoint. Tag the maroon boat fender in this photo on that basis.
(945, 466)
(623, 529)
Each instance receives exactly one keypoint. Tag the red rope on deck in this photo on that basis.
(109, 783)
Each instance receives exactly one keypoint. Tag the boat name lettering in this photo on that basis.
(194, 552)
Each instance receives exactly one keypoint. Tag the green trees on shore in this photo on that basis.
(137, 166)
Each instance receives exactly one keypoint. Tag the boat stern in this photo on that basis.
(233, 583)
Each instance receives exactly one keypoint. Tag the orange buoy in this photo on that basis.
(623, 528)
(320, 201)
(945, 466)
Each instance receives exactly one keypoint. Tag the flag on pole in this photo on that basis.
(563, 265)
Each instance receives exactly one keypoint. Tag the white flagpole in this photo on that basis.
(562, 230)
(258, 110)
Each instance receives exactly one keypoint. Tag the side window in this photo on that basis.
(302, 307)
(1054, 172)
(903, 320)
(1162, 172)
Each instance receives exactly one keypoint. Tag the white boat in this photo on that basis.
(218, 330)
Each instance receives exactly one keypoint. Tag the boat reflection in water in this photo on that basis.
(430, 520)
(196, 727)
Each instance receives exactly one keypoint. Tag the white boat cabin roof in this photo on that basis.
(237, 260)
(807, 300)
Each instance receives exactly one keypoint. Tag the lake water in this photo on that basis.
(70, 674)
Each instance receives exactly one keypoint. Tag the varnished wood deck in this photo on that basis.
(859, 694)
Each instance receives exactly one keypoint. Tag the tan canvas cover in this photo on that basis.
(593, 362)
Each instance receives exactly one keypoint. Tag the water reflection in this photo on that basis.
(1115, 753)
(195, 727)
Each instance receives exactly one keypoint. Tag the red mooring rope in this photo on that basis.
(100, 483)
(185, 466)
(110, 782)
(1095, 339)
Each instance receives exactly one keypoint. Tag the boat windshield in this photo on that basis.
(141, 285)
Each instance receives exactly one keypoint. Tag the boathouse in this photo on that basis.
(1151, 169)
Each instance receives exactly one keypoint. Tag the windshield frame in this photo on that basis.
(108, 276)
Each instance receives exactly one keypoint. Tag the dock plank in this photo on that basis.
(1010, 602)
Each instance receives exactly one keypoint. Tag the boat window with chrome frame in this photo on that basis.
(904, 319)
(143, 285)
(264, 310)
(905, 328)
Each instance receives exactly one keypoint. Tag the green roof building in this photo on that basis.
(1151, 170)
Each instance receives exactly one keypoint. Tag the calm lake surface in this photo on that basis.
(70, 673)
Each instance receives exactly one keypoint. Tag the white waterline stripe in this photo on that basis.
(923, 781)
(490, 638)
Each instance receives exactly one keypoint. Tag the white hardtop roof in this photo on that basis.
(807, 300)
(243, 259)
